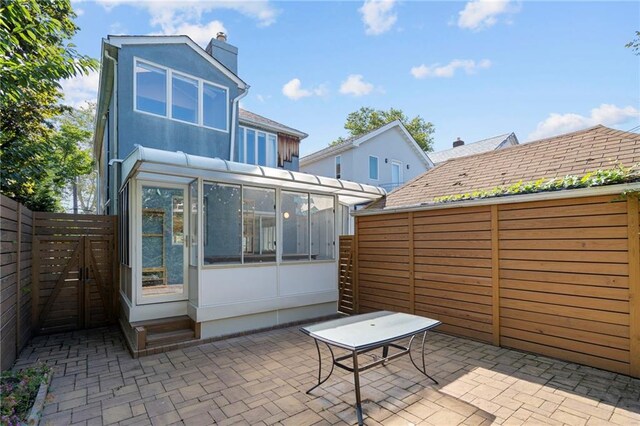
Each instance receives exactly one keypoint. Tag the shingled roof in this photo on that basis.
(484, 145)
(574, 153)
(251, 118)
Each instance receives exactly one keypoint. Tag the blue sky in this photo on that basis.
(474, 69)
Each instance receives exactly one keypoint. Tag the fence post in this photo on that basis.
(633, 219)
(356, 295)
(495, 274)
(35, 273)
(412, 272)
(18, 277)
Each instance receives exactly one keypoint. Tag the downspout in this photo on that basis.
(234, 108)
(114, 146)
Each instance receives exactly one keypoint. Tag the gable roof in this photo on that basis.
(355, 141)
(574, 153)
(265, 123)
(484, 145)
(120, 41)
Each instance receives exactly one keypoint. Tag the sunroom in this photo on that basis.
(236, 247)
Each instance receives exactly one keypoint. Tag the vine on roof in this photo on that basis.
(601, 177)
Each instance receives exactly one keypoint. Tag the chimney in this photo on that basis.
(458, 143)
(225, 53)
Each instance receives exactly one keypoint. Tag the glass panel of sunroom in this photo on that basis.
(163, 251)
(259, 225)
(295, 226)
(222, 217)
(322, 228)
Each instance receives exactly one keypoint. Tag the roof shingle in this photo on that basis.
(478, 147)
(574, 153)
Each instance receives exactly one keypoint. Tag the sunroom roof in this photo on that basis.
(143, 159)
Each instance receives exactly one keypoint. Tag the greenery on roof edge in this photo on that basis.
(616, 175)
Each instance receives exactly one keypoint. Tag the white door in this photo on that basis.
(396, 174)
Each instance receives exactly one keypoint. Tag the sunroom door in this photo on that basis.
(163, 242)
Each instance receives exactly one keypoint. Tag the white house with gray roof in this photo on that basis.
(387, 157)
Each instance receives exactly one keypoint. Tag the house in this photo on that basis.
(552, 272)
(387, 157)
(219, 233)
(460, 149)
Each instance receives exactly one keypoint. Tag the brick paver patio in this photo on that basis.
(261, 379)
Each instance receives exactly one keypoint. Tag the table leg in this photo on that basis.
(423, 370)
(356, 380)
(333, 361)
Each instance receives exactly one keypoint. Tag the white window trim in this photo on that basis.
(244, 146)
(377, 178)
(337, 160)
(168, 86)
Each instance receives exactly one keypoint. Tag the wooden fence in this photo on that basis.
(15, 276)
(57, 272)
(560, 278)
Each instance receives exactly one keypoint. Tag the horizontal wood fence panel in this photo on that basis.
(553, 277)
(15, 279)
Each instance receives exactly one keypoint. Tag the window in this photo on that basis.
(338, 166)
(322, 228)
(223, 223)
(151, 89)
(259, 225)
(124, 225)
(177, 220)
(373, 167)
(295, 225)
(184, 98)
(214, 106)
(256, 147)
(193, 222)
(307, 226)
(193, 100)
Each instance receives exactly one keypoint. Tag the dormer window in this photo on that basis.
(191, 99)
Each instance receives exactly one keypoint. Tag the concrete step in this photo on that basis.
(155, 339)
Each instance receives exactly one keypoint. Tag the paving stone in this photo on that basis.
(116, 414)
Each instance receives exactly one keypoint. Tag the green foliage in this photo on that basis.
(367, 119)
(616, 175)
(34, 57)
(19, 391)
(635, 44)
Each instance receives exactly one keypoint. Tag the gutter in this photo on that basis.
(234, 108)
(509, 199)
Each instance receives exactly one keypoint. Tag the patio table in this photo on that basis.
(364, 333)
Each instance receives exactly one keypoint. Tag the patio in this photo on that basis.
(261, 379)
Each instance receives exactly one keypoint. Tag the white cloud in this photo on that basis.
(293, 90)
(606, 114)
(201, 34)
(448, 70)
(356, 86)
(378, 16)
(481, 14)
(185, 17)
(81, 89)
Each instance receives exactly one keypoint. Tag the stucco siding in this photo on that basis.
(161, 132)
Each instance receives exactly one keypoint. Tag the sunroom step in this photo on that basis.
(166, 324)
(169, 337)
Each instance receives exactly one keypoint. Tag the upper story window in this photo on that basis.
(191, 99)
(338, 166)
(256, 147)
(373, 167)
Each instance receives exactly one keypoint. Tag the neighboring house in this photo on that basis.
(460, 149)
(387, 157)
(217, 233)
(574, 153)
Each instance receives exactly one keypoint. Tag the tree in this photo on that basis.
(367, 119)
(34, 56)
(635, 44)
(73, 155)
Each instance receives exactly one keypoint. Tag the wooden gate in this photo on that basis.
(345, 274)
(74, 272)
